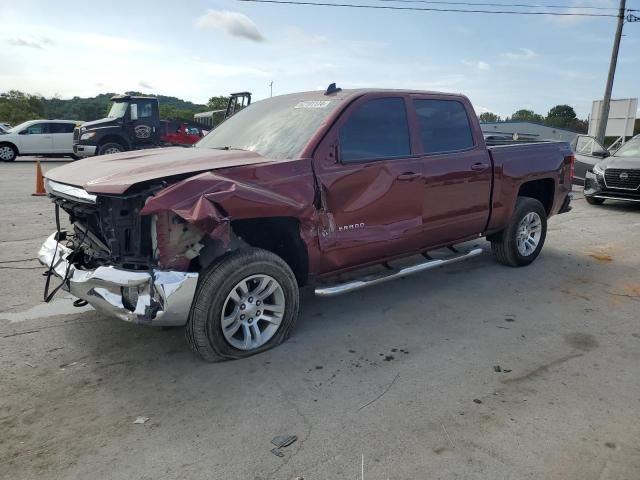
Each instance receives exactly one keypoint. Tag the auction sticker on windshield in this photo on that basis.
(313, 104)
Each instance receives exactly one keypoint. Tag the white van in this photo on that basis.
(38, 137)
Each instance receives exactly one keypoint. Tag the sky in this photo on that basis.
(196, 49)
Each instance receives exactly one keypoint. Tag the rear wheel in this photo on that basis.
(246, 303)
(520, 243)
(8, 152)
(594, 200)
(110, 148)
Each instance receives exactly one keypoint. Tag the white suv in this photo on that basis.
(38, 137)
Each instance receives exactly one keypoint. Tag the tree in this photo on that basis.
(562, 116)
(218, 103)
(527, 116)
(17, 107)
(171, 111)
(489, 117)
(581, 126)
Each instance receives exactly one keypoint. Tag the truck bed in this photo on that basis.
(523, 162)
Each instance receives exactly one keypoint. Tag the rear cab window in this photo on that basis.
(444, 126)
(377, 129)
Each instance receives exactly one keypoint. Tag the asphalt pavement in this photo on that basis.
(475, 370)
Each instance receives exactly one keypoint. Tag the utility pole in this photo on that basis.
(604, 107)
(271, 88)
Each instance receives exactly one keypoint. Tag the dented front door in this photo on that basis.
(371, 184)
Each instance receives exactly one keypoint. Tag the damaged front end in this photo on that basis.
(130, 266)
(158, 297)
(137, 255)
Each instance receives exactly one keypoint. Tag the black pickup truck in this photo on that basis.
(133, 123)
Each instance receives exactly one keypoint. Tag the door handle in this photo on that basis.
(407, 176)
(479, 167)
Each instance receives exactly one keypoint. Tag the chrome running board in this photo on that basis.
(369, 280)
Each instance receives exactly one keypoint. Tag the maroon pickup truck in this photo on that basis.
(338, 190)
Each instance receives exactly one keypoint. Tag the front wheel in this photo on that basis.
(8, 153)
(594, 200)
(245, 303)
(109, 148)
(520, 243)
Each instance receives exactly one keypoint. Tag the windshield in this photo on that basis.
(278, 127)
(629, 149)
(118, 109)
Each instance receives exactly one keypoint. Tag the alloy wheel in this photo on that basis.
(252, 312)
(529, 233)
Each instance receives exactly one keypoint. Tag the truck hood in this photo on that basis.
(115, 174)
(103, 122)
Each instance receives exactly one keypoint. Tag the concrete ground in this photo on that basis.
(398, 381)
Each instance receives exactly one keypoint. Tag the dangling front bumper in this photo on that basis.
(155, 297)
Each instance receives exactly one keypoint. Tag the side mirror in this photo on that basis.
(23, 132)
(134, 112)
(600, 153)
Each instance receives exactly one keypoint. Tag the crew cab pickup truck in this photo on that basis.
(337, 190)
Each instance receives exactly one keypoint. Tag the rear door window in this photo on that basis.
(444, 126)
(61, 127)
(377, 129)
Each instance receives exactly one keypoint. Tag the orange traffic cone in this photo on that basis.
(40, 191)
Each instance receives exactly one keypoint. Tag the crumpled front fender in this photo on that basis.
(210, 201)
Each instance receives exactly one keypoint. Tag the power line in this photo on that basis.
(443, 2)
(430, 9)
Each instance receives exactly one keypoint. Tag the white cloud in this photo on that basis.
(234, 23)
(520, 54)
(144, 84)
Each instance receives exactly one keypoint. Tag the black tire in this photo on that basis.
(594, 201)
(109, 147)
(504, 244)
(9, 152)
(204, 326)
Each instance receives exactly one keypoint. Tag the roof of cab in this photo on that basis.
(344, 94)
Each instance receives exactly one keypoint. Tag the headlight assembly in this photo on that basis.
(88, 135)
(598, 170)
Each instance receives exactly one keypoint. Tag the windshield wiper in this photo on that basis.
(229, 148)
